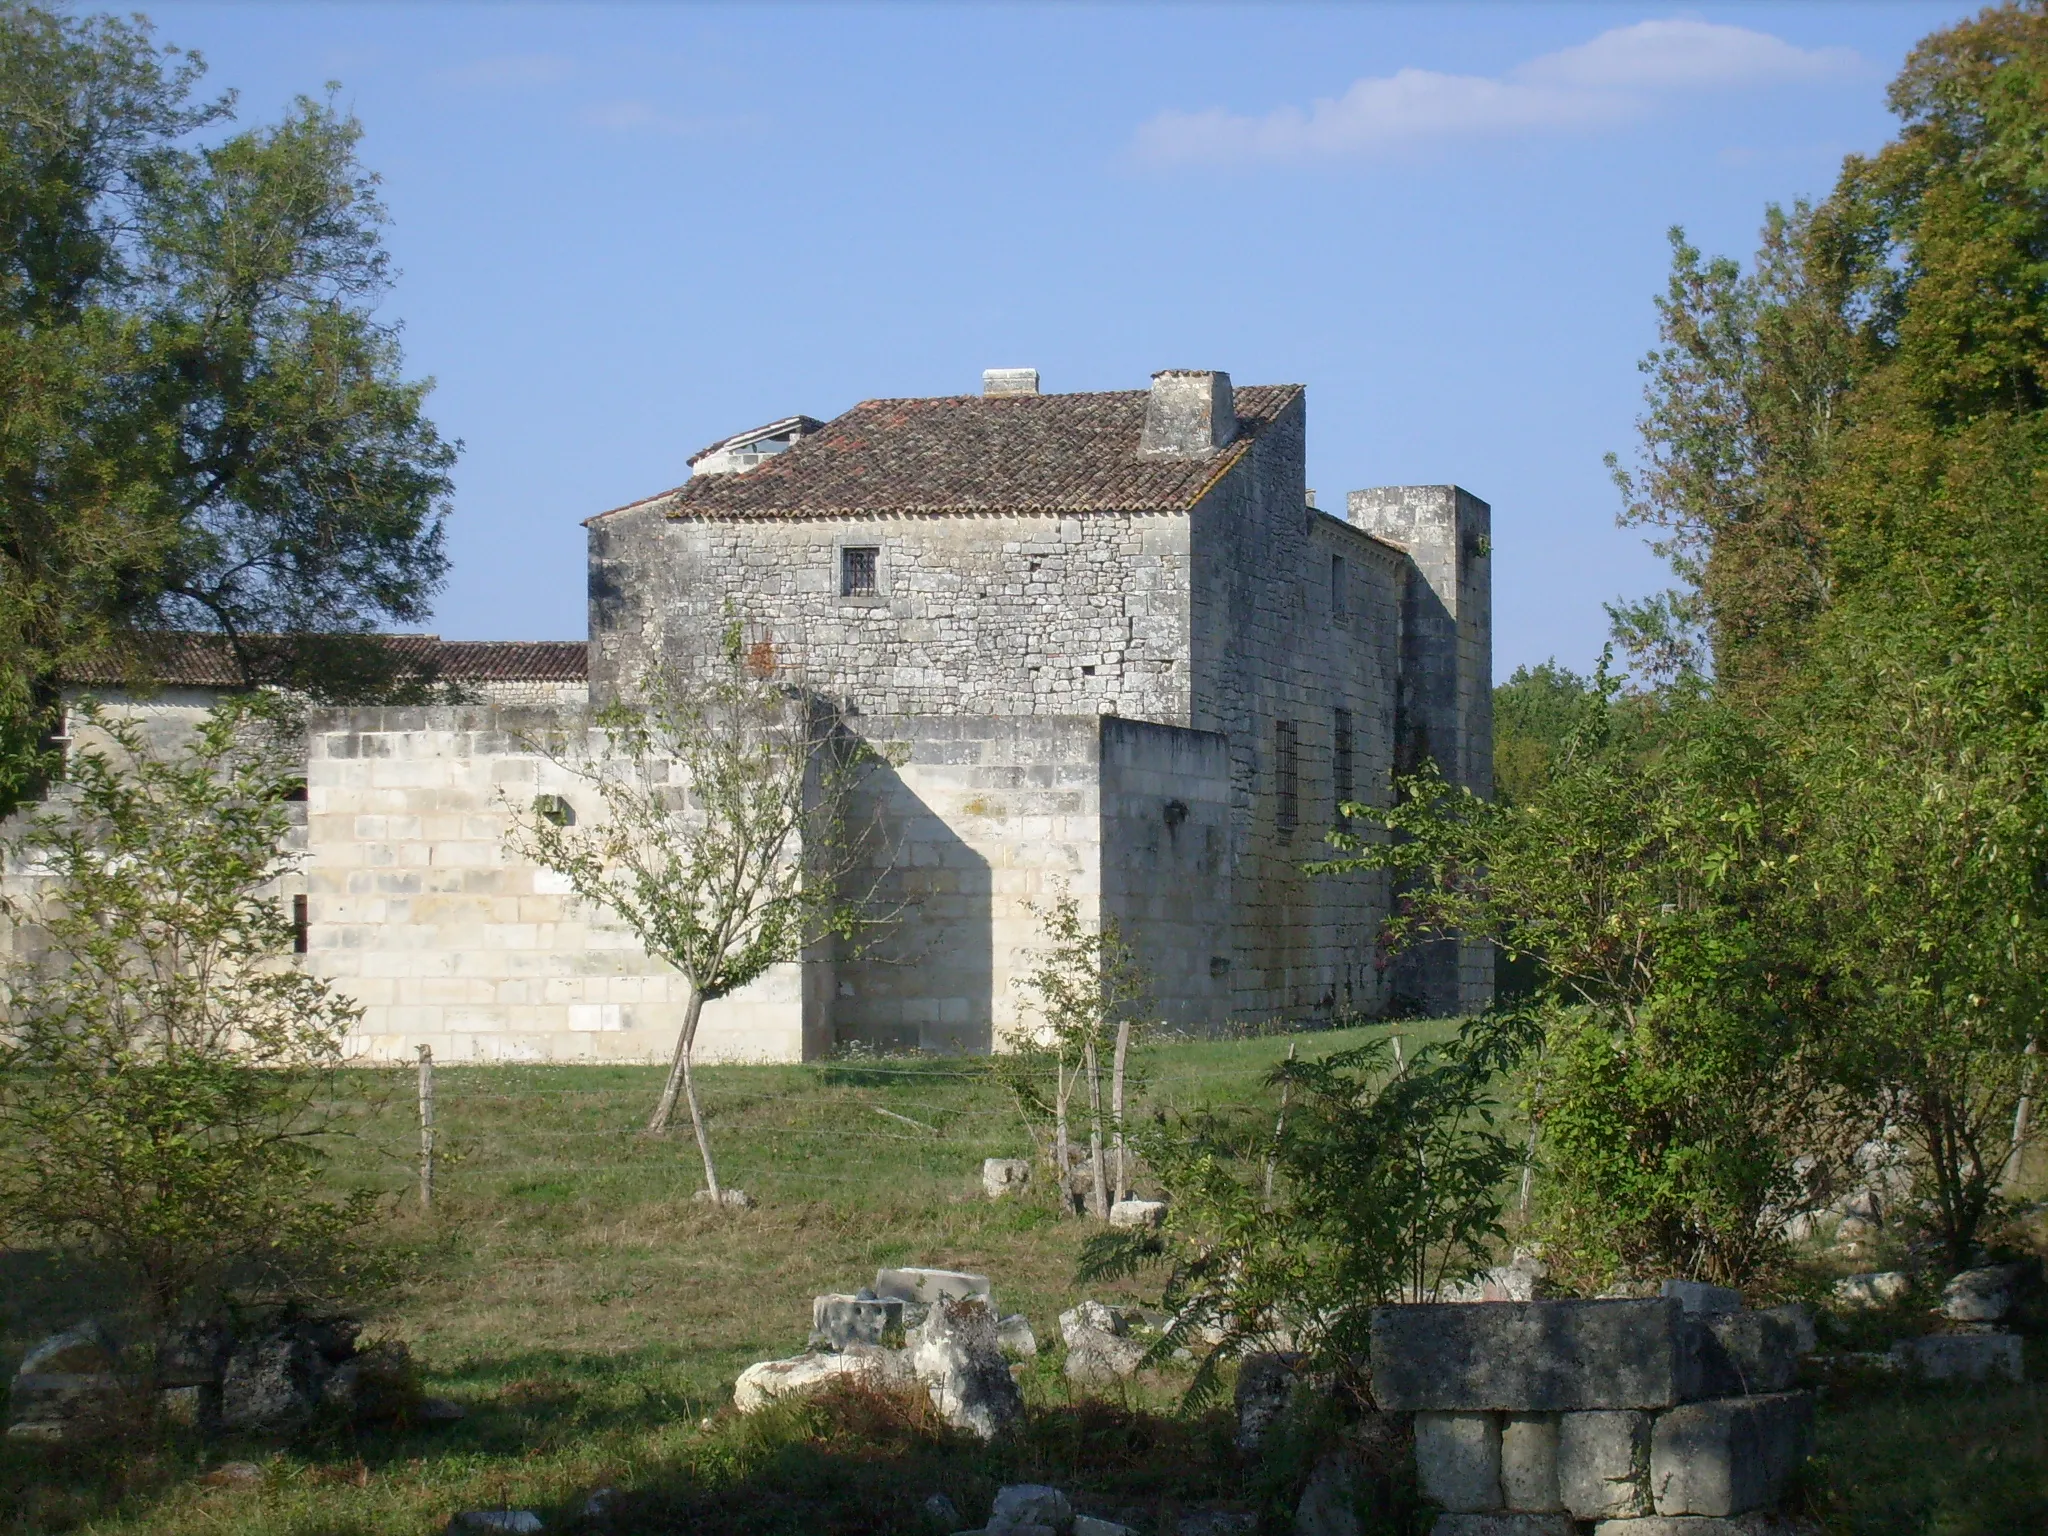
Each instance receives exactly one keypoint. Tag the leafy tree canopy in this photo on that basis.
(203, 423)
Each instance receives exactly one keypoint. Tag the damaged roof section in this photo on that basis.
(976, 454)
(747, 450)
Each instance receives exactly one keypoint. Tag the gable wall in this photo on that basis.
(1022, 615)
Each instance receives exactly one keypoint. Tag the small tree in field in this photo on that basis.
(165, 1068)
(1089, 987)
(724, 843)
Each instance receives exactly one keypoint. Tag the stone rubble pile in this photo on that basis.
(934, 1328)
(1649, 1416)
(272, 1380)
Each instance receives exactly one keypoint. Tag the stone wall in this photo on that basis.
(1444, 710)
(978, 827)
(418, 912)
(1254, 617)
(991, 615)
(1166, 862)
(1280, 640)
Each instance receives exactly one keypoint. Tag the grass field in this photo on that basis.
(591, 1319)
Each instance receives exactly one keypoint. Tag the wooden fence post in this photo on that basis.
(426, 1128)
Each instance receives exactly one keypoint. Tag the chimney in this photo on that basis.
(1189, 415)
(1009, 381)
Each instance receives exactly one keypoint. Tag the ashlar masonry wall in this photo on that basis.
(419, 913)
(976, 830)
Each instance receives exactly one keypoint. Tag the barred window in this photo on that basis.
(1340, 757)
(1287, 778)
(857, 564)
(301, 925)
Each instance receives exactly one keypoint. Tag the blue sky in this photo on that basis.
(625, 231)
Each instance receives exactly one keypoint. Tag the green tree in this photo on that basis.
(1382, 1181)
(202, 423)
(725, 837)
(1644, 883)
(169, 1071)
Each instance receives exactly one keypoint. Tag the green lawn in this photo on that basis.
(591, 1318)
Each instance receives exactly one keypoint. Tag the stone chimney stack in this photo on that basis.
(1009, 381)
(1189, 415)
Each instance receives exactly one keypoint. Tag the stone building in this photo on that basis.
(1112, 646)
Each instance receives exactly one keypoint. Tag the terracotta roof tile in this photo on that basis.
(190, 660)
(975, 453)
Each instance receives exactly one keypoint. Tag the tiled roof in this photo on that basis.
(975, 453)
(188, 660)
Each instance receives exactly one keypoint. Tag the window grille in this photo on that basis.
(857, 566)
(1340, 757)
(1287, 775)
(301, 925)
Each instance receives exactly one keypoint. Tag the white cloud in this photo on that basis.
(1613, 78)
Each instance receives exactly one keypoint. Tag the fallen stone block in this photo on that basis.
(194, 1356)
(956, 1355)
(1015, 1338)
(1798, 1317)
(272, 1383)
(931, 1285)
(234, 1474)
(1603, 1463)
(1096, 1315)
(1516, 1281)
(1517, 1523)
(62, 1406)
(1002, 1176)
(81, 1350)
(1098, 1351)
(1029, 1504)
(941, 1510)
(770, 1381)
(1097, 1359)
(842, 1320)
(1730, 1456)
(1138, 1215)
(1700, 1299)
(1745, 1352)
(1265, 1386)
(1528, 1463)
(1089, 1525)
(1961, 1357)
(1985, 1295)
(1457, 1460)
(1533, 1357)
(1217, 1522)
(1864, 1293)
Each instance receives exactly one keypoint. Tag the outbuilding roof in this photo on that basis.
(183, 659)
(975, 454)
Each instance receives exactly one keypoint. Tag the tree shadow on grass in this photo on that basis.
(851, 1462)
